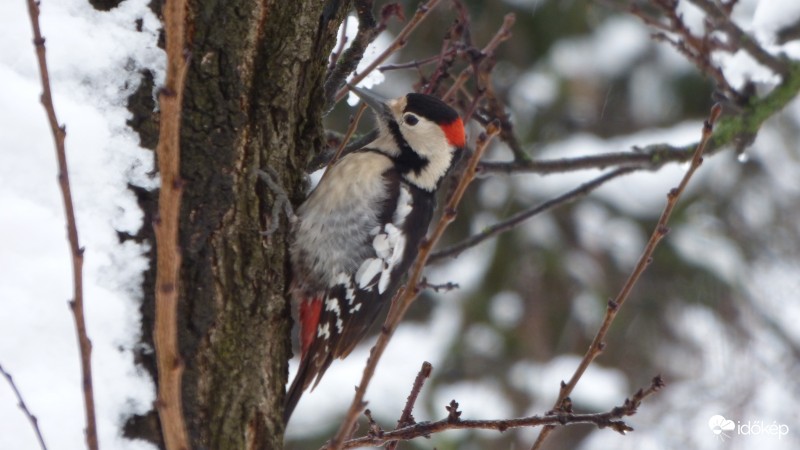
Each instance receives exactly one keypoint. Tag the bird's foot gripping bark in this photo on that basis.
(282, 203)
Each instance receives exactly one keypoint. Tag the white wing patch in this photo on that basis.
(332, 304)
(368, 270)
(342, 279)
(389, 244)
(324, 331)
(397, 243)
(404, 205)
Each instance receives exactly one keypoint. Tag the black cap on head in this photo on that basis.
(431, 108)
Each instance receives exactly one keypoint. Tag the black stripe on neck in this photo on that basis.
(408, 160)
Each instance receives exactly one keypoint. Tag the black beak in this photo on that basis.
(374, 101)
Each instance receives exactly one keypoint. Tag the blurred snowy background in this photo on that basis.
(716, 313)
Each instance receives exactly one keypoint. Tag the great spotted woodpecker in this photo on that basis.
(359, 230)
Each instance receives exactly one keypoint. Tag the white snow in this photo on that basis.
(94, 58)
(88, 53)
(372, 52)
(611, 49)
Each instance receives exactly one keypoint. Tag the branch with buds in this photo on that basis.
(408, 429)
(479, 102)
(659, 232)
(28, 414)
(168, 253)
(76, 251)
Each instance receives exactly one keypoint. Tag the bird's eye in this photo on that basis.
(411, 120)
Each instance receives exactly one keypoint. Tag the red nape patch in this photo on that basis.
(455, 133)
(309, 319)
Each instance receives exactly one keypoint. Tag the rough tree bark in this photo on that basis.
(253, 99)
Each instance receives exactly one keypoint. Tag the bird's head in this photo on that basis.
(421, 133)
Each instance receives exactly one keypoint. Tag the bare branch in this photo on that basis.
(737, 130)
(406, 418)
(398, 43)
(721, 18)
(696, 49)
(76, 304)
(457, 41)
(406, 295)
(502, 35)
(453, 421)
(416, 63)
(368, 30)
(789, 33)
(660, 230)
(339, 48)
(517, 219)
(441, 287)
(166, 224)
(650, 158)
(346, 138)
(31, 418)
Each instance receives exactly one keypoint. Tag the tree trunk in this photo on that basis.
(253, 99)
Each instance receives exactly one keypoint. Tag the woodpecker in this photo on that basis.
(358, 232)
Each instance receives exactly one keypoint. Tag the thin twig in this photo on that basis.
(440, 287)
(368, 30)
(609, 419)
(740, 39)
(168, 256)
(647, 158)
(788, 33)
(737, 130)
(660, 230)
(406, 417)
(31, 418)
(457, 42)
(339, 48)
(76, 304)
(417, 63)
(373, 427)
(497, 110)
(398, 43)
(502, 34)
(519, 218)
(696, 49)
(346, 138)
(406, 295)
